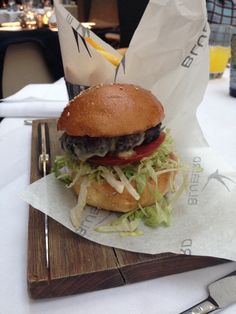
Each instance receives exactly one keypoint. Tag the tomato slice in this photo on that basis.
(139, 153)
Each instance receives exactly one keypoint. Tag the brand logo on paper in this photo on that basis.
(199, 44)
(194, 181)
(219, 178)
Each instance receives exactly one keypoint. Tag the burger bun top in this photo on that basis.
(111, 110)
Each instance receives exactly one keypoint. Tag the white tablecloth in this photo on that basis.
(167, 295)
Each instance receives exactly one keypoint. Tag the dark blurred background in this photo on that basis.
(116, 20)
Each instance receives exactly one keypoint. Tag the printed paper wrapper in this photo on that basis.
(168, 54)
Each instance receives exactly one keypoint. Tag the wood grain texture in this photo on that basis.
(135, 267)
(78, 265)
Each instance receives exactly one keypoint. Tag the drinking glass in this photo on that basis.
(219, 46)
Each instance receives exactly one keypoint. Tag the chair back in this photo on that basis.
(104, 13)
(23, 64)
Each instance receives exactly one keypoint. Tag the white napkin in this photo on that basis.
(49, 92)
(36, 100)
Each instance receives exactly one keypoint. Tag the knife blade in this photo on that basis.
(44, 169)
(222, 293)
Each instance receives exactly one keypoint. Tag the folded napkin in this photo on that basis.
(36, 100)
(50, 92)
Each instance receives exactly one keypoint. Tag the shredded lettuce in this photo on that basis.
(76, 212)
(126, 183)
(69, 170)
(116, 184)
(121, 224)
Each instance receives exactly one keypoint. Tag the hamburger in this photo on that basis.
(118, 156)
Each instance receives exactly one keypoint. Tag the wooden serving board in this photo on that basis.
(78, 265)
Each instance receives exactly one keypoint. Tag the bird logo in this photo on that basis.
(218, 177)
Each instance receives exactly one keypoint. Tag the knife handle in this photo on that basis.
(43, 148)
(203, 307)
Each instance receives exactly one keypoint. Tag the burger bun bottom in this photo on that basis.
(103, 195)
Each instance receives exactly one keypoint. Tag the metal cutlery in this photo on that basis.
(28, 122)
(44, 169)
(222, 293)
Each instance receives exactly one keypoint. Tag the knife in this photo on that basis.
(44, 169)
(222, 293)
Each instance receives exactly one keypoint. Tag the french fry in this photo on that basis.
(93, 43)
(122, 51)
(113, 59)
(110, 57)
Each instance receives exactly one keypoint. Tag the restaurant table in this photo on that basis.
(165, 295)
